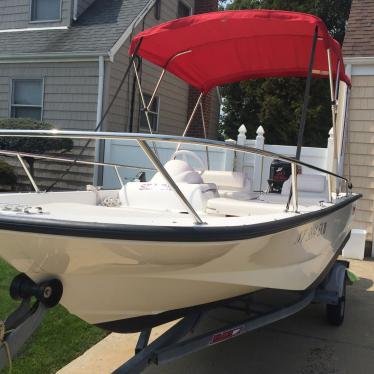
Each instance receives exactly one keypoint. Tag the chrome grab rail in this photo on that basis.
(27, 171)
(143, 138)
(294, 187)
(21, 155)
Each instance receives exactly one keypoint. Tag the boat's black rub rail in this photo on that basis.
(196, 233)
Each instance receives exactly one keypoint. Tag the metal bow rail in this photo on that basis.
(142, 140)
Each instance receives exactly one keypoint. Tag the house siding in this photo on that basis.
(71, 93)
(361, 149)
(70, 102)
(214, 116)
(15, 14)
(210, 102)
(173, 92)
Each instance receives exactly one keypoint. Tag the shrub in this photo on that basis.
(31, 145)
(7, 175)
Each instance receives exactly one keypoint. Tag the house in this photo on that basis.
(61, 61)
(358, 51)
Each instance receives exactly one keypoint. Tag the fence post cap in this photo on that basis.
(242, 130)
(260, 130)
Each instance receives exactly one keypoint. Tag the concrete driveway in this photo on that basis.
(302, 344)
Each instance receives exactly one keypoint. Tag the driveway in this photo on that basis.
(302, 344)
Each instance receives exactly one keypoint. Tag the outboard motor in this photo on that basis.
(280, 171)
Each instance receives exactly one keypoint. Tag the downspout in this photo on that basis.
(342, 120)
(132, 105)
(99, 144)
(75, 10)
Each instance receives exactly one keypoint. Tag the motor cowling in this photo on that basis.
(280, 171)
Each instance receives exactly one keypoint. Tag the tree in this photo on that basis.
(276, 103)
(7, 175)
(31, 145)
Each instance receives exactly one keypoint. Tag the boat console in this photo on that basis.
(220, 193)
(158, 195)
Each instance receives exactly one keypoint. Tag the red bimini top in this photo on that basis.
(213, 49)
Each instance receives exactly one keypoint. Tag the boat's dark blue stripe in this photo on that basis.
(197, 233)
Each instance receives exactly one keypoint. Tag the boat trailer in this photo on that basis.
(25, 320)
(174, 343)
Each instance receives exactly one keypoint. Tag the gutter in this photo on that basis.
(99, 144)
(359, 60)
(30, 29)
(51, 57)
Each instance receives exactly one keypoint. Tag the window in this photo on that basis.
(45, 10)
(183, 10)
(152, 114)
(27, 98)
(158, 9)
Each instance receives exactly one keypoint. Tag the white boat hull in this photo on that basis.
(109, 280)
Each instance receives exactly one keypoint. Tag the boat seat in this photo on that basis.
(180, 171)
(230, 184)
(158, 195)
(231, 207)
(308, 186)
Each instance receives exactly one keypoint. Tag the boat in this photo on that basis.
(189, 238)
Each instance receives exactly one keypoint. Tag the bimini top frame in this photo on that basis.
(229, 46)
(142, 140)
(264, 43)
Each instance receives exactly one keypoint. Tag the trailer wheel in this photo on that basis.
(335, 313)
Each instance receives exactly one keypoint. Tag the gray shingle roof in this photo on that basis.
(359, 38)
(96, 31)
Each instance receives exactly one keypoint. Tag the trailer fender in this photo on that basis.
(335, 281)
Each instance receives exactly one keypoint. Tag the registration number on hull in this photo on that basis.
(317, 230)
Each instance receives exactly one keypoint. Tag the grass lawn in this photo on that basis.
(61, 337)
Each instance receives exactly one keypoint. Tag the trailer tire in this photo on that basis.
(335, 313)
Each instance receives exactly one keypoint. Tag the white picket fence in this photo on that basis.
(257, 167)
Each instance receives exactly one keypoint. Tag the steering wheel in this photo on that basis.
(184, 153)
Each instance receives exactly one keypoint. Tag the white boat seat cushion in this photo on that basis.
(230, 184)
(180, 171)
(308, 185)
(226, 179)
(158, 195)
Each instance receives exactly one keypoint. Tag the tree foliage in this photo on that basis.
(276, 103)
(7, 175)
(31, 145)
